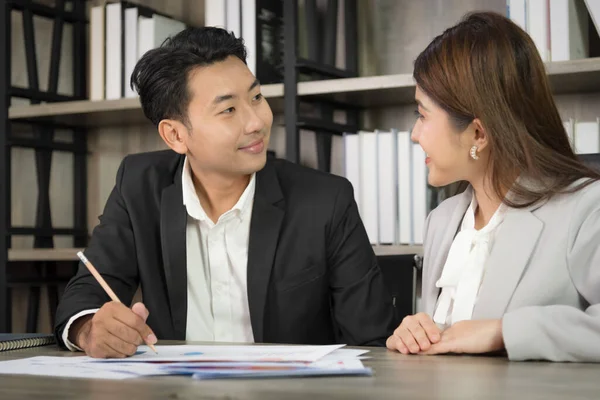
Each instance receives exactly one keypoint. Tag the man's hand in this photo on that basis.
(473, 337)
(114, 331)
(415, 334)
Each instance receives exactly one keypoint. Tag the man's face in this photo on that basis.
(230, 120)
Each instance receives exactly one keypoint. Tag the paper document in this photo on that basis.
(228, 353)
(74, 367)
(201, 362)
(213, 370)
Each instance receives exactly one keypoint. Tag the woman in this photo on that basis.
(513, 262)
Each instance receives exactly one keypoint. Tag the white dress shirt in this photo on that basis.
(465, 267)
(217, 258)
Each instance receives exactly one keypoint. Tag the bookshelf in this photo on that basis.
(70, 254)
(43, 254)
(566, 77)
(115, 127)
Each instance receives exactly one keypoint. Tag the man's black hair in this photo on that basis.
(160, 77)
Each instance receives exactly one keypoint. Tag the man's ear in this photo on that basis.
(174, 134)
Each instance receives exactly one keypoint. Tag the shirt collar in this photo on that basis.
(192, 202)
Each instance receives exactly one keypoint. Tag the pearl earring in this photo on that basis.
(474, 155)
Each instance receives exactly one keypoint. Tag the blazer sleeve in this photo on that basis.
(558, 332)
(361, 305)
(112, 251)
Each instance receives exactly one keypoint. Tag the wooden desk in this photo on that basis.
(395, 377)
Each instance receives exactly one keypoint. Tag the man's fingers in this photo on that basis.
(100, 349)
(134, 321)
(122, 348)
(124, 332)
(141, 310)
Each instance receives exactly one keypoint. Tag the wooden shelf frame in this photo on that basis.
(55, 254)
(70, 254)
(576, 76)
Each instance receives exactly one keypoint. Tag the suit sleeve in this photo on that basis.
(362, 307)
(112, 251)
(558, 332)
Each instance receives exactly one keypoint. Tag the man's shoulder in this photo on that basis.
(165, 159)
(293, 176)
(150, 166)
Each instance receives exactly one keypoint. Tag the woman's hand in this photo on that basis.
(415, 334)
(471, 337)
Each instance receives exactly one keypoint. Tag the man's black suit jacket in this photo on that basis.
(313, 277)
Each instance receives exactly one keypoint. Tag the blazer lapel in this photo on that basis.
(173, 217)
(439, 251)
(514, 243)
(267, 216)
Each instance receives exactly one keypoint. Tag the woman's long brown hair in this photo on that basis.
(487, 67)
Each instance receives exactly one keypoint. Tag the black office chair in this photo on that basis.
(592, 160)
(399, 272)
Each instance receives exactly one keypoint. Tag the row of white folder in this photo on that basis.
(239, 17)
(388, 173)
(120, 33)
(559, 28)
(389, 176)
(584, 136)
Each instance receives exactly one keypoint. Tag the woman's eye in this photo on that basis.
(229, 110)
(258, 96)
(418, 114)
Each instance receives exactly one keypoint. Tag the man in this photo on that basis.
(226, 245)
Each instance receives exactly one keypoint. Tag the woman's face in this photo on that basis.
(447, 149)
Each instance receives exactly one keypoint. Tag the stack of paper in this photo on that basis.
(201, 362)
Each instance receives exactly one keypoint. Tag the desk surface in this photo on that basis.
(395, 376)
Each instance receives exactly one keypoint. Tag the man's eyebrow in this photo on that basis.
(225, 97)
(222, 98)
(254, 84)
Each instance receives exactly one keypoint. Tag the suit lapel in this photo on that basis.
(267, 216)
(173, 217)
(439, 251)
(513, 245)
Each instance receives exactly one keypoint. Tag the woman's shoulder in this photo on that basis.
(581, 192)
(572, 207)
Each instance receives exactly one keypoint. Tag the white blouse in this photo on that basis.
(464, 268)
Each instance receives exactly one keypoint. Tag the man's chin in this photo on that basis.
(256, 165)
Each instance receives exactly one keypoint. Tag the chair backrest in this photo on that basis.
(592, 160)
(399, 275)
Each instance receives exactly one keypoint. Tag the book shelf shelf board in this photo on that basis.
(385, 250)
(66, 254)
(70, 254)
(579, 82)
(368, 91)
(121, 112)
(82, 113)
(576, 76)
